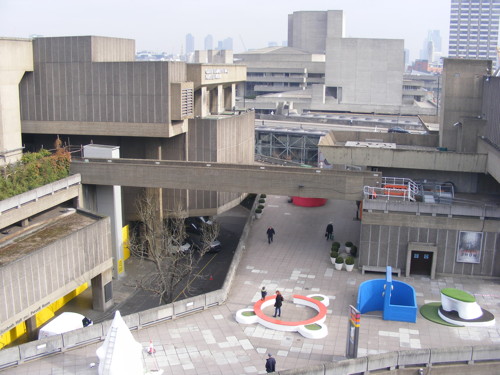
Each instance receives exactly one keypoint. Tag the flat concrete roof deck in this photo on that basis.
(48, 228)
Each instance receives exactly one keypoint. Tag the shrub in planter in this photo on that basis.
(354, 250)
(339, 262)
(258, 210)
(260, 207)
(262, 201)
(336, 246)
(334, 254)
(263, 196)
(348, 244)
(349, 263)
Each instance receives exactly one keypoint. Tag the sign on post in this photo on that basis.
(353, 332)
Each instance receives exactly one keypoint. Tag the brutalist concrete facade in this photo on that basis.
(388, 238)
(51, 262)
(90, 90)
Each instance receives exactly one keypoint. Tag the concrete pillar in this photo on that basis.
(217, 100)
(201, 102)
(31, 328)
(17, 58)
(109, 203)
(102, 291)
(229, 97)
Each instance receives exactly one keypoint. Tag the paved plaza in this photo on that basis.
(297, 262)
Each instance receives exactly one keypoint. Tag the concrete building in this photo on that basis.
(309, 30)
(209, 42)
(474, 26)
(422, 234)
(360, 75)
(280, 69)
(102, 96)
(366, 72)
(189, 44)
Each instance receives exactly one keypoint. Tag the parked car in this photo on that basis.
(215, 246)
(397, 129)
(195, 224)
(186, 246)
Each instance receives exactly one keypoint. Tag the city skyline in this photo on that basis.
(158, 26)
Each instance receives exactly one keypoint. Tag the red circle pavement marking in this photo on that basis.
(321, 311)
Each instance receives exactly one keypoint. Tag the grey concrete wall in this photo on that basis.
(491, 109)
(78, 87)
(462, 95)
(385, 236)
(307, 30)
(49, 273)
(222, 139)
(369, 71)
(409, 159)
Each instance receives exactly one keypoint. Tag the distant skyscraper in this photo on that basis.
(209, 42)
(189, 44)
(431, 50)
(226, 44)
(474, 29)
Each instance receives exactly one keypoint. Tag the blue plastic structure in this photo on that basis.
(395, 299)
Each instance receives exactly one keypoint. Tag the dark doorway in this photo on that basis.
(421, 262)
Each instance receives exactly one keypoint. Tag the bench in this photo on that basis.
(365, 268)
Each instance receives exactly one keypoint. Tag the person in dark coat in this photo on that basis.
(263, 293)
(270, 234)
(277, 304)
(329, 231)
(270, 363)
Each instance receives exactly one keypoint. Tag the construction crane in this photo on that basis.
(242, 42)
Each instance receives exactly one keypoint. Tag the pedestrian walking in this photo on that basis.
(329, 231)
(277, 304)
(270, 234)
(263, 293)
(270, 363)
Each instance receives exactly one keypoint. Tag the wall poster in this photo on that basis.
(469, 247)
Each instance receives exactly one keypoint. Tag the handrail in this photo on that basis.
(35, 194)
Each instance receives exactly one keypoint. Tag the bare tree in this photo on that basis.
(162, 241)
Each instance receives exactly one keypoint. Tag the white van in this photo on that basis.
(67, 321)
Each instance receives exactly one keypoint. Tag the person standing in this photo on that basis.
(263, 293)
(270, 363)
(270, 234)
(277, 304)
(329, 231)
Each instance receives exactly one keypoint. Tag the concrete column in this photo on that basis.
(109, 203)
(17, 58)
(230, 97)
(31, 328)
(102, 291)
(220, 99)
(202, 102)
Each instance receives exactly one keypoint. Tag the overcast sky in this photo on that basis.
(162, 25)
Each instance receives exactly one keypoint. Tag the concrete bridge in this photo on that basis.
(278, 180)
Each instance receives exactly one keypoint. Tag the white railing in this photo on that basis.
(34, 195)
(393, 188)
